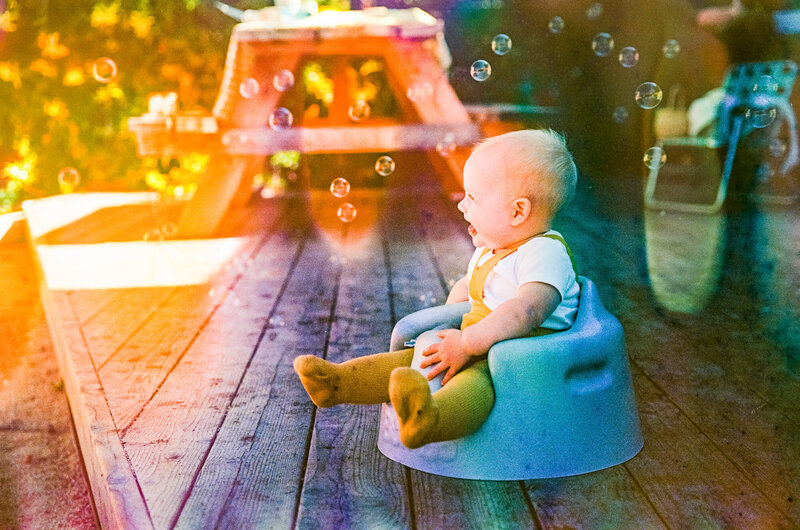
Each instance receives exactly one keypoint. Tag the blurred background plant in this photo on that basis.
(72, 73)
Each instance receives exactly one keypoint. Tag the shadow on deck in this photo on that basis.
(177, 357)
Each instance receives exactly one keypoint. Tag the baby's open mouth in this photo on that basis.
(472, 230)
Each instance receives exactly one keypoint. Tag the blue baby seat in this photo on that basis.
(564, 402)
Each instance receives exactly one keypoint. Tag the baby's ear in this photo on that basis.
(520, 210)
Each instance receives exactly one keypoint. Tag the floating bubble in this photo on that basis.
(501, 44)
(281, 118)
(594, 11)
(628, 56)
(575, 72)
(104, 70)
(760, 117)
(620, 114)
(359, 110)
(384, 166)
(648, 95)
(765, 85)
(346, 213)
(340, 187)
(777, 147)
(480, 70)
(68, 179)
(283, 80)
(655, 158)
(249, 88)
(671, 49)
(169, 229)
(419, 91)
(556, 25)
(447, 145)
(153, 235)
(602, 44)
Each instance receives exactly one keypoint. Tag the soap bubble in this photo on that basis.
(104, 70)
(655, 158)
(648, 95)
(760, 117)
(68, 179)
(480, 70)
(447, 145)
(283, 80)
(501, 44)
(346, 213)
(556, 25)
(384, 166)
(169, 229)
(340, 187)
(602, 44)
(249, 88)
(153, 235)
(359, 110)
(671, 49)
(620, 114)
(594, 11)
(777, 147)
(281, 118)
(628, 56)
(419, 91)
(765, 85)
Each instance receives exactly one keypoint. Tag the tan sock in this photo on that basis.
(456, 410)
(363, 380)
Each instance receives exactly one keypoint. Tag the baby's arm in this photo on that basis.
(535, 301)
(516, 317)
(459, 292)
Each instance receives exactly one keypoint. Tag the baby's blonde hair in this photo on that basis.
(538, 165)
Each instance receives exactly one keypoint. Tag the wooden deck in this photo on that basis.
(178, 365)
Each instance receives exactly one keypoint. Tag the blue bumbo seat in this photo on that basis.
(564, 402)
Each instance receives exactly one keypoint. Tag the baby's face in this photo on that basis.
(486, 204)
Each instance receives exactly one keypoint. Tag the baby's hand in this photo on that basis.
(450, 354)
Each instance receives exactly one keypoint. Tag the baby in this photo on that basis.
(520, 281)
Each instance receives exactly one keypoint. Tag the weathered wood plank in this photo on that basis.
(145, 359)
(114, 485)
(170, 438)
(252, 475)
(347, 481)
(761, 442)
(119, 318)
(415, 284)
(603, 499)
(689, 481)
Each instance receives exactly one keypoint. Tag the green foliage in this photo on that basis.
(54, 113)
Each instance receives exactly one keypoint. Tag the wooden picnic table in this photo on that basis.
(409, 41)
(178, 366)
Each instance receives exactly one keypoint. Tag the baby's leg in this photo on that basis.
(363, 380)
(459, 408)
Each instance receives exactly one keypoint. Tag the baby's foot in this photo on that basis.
(319, 378)
(416, 410)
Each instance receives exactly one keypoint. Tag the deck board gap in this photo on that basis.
(257, 248)
(111, 416)
(644, 494)
(199, 469)
(136, 330)
(313, 421)
(711, 440)
(105, 305)
(537, 523)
